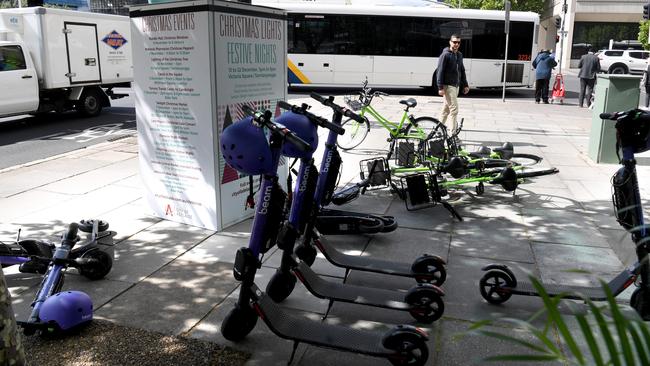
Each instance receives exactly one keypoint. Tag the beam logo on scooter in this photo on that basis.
(266, 200)
(328, 161)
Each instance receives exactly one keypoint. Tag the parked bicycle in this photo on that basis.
(409, 127)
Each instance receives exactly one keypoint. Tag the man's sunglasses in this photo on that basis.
(455, 42)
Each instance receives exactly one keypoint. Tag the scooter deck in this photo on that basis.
(344, 292)
(569, 292)
(362, 263)
(288, 326)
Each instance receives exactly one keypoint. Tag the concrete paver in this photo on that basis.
(178, 279)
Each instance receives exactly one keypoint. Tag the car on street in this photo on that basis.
(623, 61)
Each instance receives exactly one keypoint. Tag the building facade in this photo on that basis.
(589, 23)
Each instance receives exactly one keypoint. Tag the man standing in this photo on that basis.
(543, 64)
(450, 78)
(589, 66)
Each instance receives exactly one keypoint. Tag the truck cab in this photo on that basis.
(20, 92)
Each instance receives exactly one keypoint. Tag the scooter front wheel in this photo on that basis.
(491, 286)
(238, 323)
(280, 286)
(306, 253)
(98, 266)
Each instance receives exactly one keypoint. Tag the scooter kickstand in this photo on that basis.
(451, 210)
(327, 312)
(293, 352)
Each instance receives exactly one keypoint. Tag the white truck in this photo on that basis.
(57, 60)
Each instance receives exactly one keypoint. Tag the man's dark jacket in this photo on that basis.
(589, 66)
(451, 70)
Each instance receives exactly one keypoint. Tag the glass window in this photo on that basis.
(12, 58)
(406, 36)
(598, 34)
(635, 54)
(613, 53)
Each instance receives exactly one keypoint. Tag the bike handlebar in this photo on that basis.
(264, 119)
(318, 120)
(329, 102)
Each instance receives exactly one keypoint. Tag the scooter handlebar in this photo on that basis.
(264, 119)
(318, 120)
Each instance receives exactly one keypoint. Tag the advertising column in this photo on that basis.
(195, 65)
(251, 70)
(174, 116)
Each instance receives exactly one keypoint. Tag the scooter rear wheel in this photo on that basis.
(429, 269)
(426, 305)
(86, 226)
(413, 351)
(238, 323)
(491, 283)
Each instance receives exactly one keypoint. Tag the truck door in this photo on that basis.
(18, 80)
(83, 52)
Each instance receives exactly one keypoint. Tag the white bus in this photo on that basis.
(395, 46)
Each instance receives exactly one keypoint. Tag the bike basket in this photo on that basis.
(416, 190)
(436, 148)
(624, 191)
(354, 104)
(274, 217)
(404, 153)
(332, 177)
(376, 171)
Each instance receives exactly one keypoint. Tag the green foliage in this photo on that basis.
(609, 337)
(5, 4)
(644, 28)
(536, 6)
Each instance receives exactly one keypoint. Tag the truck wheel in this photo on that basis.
(90, 104)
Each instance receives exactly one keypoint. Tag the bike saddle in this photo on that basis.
(410, 102)
(506, 150)
(482, 152)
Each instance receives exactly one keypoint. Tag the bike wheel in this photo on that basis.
(355, 133)
(525, 159)
(427, 127)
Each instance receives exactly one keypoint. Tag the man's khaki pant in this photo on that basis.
(450, 109)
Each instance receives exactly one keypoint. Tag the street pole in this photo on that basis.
(564, 10)
(506, 29)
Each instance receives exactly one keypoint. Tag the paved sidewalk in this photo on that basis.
(177, 279)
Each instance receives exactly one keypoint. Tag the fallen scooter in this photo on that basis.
(55, 311)
(633, 136)
(246, 148)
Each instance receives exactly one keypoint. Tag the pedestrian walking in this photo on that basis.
(589, 66)
(451, 78)
(543, 64)
(646, 82)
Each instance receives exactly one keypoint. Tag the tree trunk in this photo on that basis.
(11, 345)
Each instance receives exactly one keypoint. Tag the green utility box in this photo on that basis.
(613, 93)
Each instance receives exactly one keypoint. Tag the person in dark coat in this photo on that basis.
(543, 64)
(589, 66)
(451, 78)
